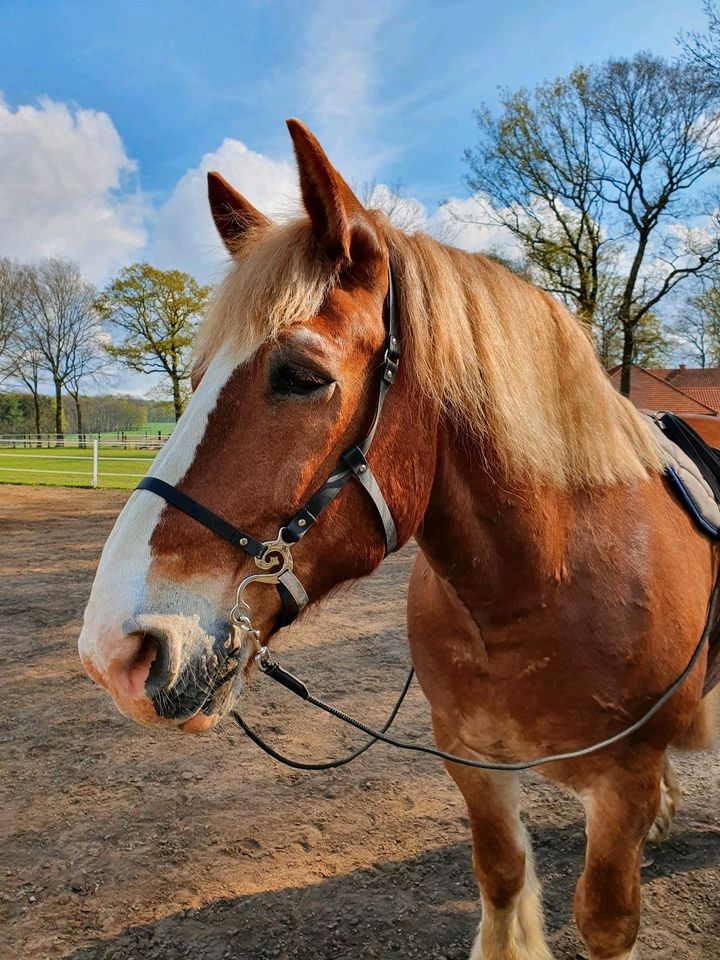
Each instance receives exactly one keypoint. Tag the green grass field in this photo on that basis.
(150, 430)
(72, 467)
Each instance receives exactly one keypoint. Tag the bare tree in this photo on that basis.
(26, 368)
(57, 309)
(704, 48)
(660, 137)
(10, 279)
(88, 361)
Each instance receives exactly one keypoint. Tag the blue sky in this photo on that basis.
(402, 78)
(111, 113)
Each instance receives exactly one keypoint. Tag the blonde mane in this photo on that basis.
(504, 360)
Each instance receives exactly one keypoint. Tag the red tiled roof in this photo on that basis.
(710, 396)
(650, 392)
(682, 377)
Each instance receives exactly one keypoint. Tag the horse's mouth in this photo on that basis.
(202, 692)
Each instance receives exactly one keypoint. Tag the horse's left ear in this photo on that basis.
(341, 224)
(232, 213)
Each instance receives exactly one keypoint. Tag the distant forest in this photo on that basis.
(100, 414)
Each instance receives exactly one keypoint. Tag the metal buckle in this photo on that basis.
(276, 559)
(392, 362)
(262, 658)
(276, 552)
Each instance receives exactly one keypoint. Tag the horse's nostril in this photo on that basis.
(152, 661)
(149, 670)
(145, 660)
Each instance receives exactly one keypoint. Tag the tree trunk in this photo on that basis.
(58, 415)
(36, 404)
(628, 349)
(78, 414)
(177, 398)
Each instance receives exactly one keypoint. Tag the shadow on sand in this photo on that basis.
(424, 907)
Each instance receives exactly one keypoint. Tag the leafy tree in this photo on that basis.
(594, 176)
(537, 164)
(158, 311)
(698, 326)
(18, 412)
(651, 346)
(11, 413)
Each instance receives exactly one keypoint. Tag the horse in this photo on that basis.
(559, 586)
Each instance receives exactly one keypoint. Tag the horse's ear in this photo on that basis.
(342, 226)
(232, 213)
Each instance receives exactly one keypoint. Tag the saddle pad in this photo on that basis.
(693, 490)
(697, 496)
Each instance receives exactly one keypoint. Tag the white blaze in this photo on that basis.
(118, 591)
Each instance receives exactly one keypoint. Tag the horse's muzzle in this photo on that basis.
(159, 674)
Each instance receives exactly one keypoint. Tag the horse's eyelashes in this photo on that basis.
(290, 379)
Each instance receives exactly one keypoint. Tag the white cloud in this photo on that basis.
(452, 222)
(67, 188)
(339, 76)
(185, 235)
(469, 222)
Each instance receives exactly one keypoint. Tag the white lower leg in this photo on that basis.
(670, 801)
(515, 932)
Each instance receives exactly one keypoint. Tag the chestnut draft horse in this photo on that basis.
(559, 588)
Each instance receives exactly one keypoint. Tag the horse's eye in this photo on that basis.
(289, 379)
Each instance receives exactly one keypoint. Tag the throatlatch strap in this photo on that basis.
(243, 541)
(355, 459)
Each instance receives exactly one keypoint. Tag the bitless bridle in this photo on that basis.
(274, 560)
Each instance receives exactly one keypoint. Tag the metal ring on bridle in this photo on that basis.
(276, 559)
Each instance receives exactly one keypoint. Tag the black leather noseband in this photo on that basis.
(352, 464)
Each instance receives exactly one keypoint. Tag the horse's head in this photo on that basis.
(286, 380)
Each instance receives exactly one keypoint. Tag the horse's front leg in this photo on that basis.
(621, 803)
(512, 924)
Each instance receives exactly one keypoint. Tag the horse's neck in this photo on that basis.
(501, 547)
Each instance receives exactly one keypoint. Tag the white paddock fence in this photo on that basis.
(73, 460)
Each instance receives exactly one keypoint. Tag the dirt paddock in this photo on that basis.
(117, 843)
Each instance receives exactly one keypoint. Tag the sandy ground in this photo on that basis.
(117, 843)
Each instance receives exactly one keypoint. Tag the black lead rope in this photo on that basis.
(286, 679)
(297, 687)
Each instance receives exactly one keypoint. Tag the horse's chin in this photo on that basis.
(222, 702)
(199, 723)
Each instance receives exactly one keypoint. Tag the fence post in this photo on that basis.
(95, 464)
